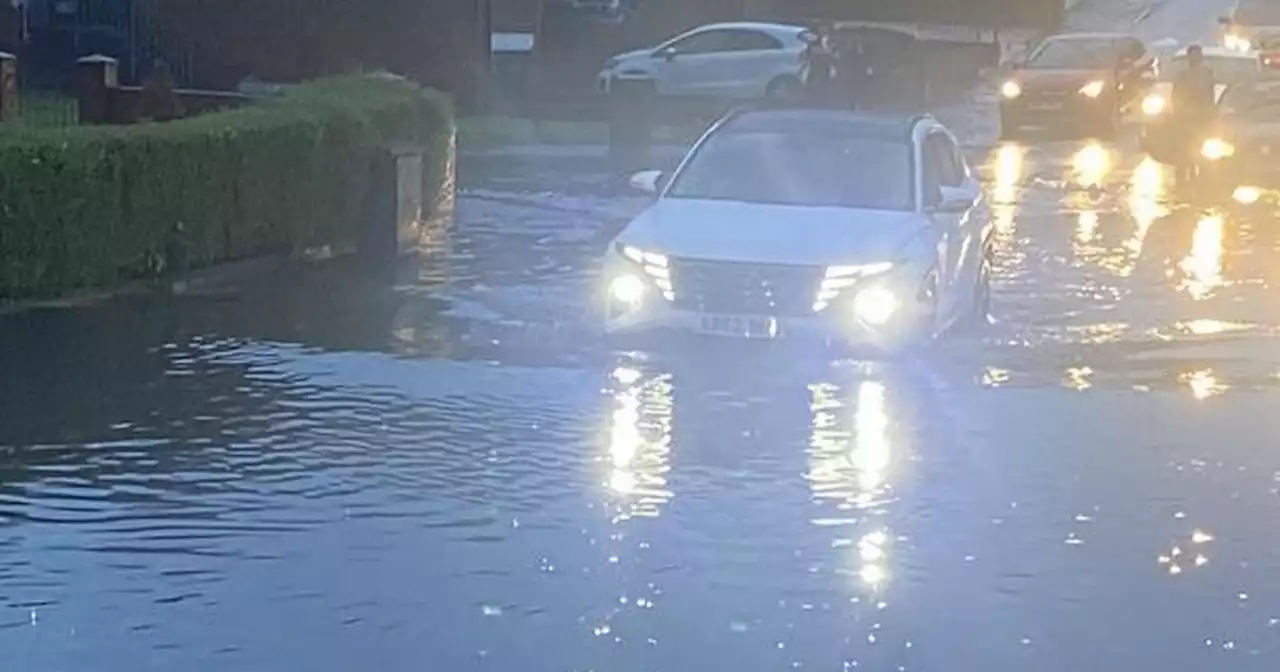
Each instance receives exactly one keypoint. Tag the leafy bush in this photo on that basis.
(89, 206)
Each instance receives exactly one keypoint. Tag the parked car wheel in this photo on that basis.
(785, 87)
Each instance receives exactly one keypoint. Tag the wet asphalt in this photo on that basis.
(444, 467)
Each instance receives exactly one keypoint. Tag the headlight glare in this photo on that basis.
(875, 306)
(1153, 105)
(627, 289)
(837, 279)
(1010, 89)
(1094, 89)
(1215, 149)
(656, 267)
(1247, 195)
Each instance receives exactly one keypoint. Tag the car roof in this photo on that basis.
(867, 125)
(1065, 37)
(755, 25)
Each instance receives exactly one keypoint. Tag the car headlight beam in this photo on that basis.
(1247, 195)
(875, 306)
(656, 267)
(837, 279)
(628, 289)
(1216, 149)
(1010, 89)
(1094, 89)
(1153, 106)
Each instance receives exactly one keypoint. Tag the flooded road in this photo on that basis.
(447, 470)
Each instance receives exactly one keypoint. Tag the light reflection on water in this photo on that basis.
(392, 487)
(1202, 267)
(640, 442)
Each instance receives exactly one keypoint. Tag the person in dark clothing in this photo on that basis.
(1194, 106)
(819, 65)
(853, 71)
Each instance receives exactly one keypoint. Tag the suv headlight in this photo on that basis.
(1094, 89)
(1010, 89)
(654, 267)
(1216, 149)
(837, 279)
(1154, 105)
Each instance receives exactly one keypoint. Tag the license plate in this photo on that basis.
(1044, 107)
(741, 327)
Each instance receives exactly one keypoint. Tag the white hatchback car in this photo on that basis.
(736, 61)
(854, 228)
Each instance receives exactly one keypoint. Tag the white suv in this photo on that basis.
(790, 223)
(737, 61)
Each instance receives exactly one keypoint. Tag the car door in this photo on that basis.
(751, 62)
(692, 65)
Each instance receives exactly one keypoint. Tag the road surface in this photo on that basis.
(446, 470)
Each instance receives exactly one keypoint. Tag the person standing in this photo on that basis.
(854, 71)
(819, 65)
(1194, 102)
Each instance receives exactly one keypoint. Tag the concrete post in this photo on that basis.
(8, 86)
(98, 77)
(396, 205)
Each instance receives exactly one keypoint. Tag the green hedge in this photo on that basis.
(91, 206)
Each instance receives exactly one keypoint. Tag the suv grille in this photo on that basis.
(773, 290)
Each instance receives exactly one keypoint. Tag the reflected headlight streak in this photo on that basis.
(656, 268)
(1216, 149)
(836, 279)
(1093, 89)
(1010, 89)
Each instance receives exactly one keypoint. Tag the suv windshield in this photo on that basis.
(1250, 101)
(1074, 55)
(799, 168)
(1226, 69)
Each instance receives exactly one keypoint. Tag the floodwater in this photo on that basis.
(447, 470)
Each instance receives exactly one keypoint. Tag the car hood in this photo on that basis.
(781, 234)
(629, 55)
(1244, 131)
(1059, 79)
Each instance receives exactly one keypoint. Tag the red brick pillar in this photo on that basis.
(8, 86)
(98, 77)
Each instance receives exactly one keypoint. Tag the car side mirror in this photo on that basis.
(648, 181)
(668, 53)
(954, 200)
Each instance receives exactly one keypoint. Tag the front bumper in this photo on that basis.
(841, 322)
(1057, 109)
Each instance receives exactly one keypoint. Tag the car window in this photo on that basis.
(752, 40)
(800, 167)
(1257, 101)
(1074, 54)
(706, 42)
